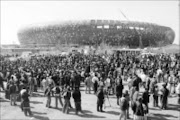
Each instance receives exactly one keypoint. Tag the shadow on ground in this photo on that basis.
(37, 116)
(36, 102)
(162, 117)
(112, 112)
(86, 114)
(173, 107)
(4, 100)
(37, 95)
(40, 113)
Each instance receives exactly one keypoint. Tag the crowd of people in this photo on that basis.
(61, 77)
(88, 34)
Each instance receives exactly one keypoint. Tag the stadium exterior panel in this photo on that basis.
(95, 32)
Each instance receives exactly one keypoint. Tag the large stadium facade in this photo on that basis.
(95, 32)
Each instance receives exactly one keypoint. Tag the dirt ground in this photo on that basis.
(40, 112)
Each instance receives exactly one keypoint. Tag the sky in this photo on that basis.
(18, 14)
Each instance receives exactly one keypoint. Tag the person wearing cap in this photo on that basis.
(100, 99)
(77, 99)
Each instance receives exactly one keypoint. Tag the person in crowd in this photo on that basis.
(26, 103)
(159, 74)
(136, 82)
(23, 90)
(95, 81)
(1, 81)
(67, 96)
(52, 83)
(12, 92)
(100, 99)
(164, 96)
(131, 93)
(153, 82)
(108, 83)
(57, 92)
(178, 91)
(88, 83)
(135, 95)
(123, 107)
(77, 99)
(47, 93)
(128, 100)
(73, 79)
(145, 99)
(155, 96)
(119, 90)
(138, 109)
(31, 85)
(171, 83)
(44, 83)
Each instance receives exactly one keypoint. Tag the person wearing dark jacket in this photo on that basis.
(12, 92)
(1, 81)
(67, 96)
(119, 89)
(100, 99)
(57, 93)
(138, 110)
(77, 99)
(145, 97)
(26, 103)
(164, 96)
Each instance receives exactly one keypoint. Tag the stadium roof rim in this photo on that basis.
(65, 22)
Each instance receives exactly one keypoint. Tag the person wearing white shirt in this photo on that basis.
(108, 84)
(171, 83)
(44, 84)
(159, 74)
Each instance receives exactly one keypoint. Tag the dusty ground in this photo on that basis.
(88, 105)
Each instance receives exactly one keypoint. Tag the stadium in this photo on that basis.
(95, 32)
